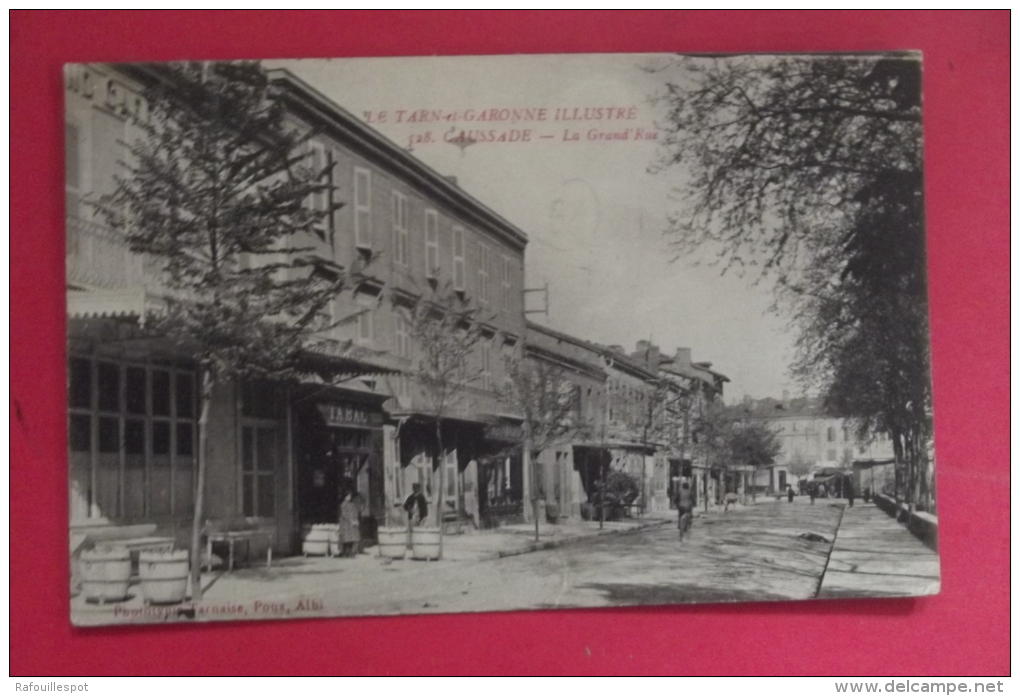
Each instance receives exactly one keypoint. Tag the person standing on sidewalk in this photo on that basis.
(416, 506)
(789, 494)
(350, 524)
(850, 494)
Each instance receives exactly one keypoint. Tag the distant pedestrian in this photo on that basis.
(684, 507)
(729, 499)
(812, 491)
(789, 494)
(850, 494)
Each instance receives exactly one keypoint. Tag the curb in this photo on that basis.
(552, 544)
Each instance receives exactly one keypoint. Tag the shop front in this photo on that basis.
(591, 464)
(338, 447)
(500, 474)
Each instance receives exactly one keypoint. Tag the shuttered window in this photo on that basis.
(362, 208)
(458, 258)
(431, 244)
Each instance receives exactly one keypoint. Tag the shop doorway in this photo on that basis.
(331, 460)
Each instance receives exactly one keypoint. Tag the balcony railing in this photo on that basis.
(99, 257)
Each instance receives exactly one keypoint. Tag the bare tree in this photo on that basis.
(550, 405)
(445, 333)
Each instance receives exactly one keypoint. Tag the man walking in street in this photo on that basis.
(850, 493)
(684, 507)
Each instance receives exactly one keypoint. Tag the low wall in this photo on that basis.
(922, 525)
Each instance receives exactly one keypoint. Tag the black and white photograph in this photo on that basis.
(422, 335)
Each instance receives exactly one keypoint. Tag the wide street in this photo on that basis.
(767, 551)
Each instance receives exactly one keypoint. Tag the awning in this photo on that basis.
(869, 463)
(111, 304)
(350, 360)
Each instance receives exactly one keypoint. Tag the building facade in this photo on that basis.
(562, 467)
(701, 389)
(424, 235)
(279, 453)
(814, 444)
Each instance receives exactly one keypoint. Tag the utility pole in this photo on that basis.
(544, 290)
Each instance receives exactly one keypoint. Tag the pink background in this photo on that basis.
(965, 630)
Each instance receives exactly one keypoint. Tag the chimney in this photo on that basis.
(653, 357)
(786, 399)
(683, 357)
(648, 354)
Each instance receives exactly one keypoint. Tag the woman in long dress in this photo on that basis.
(350, 524)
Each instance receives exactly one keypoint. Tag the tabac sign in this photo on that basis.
(347, 414)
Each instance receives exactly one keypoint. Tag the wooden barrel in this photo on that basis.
(425, 543)
(392, 542)
(164, 576)
(105, 574)
(316, 540)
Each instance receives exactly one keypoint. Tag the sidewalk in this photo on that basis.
(873, 555)
(316, 585)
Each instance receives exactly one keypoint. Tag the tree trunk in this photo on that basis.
(196, 522)
(534, 485)
(602, 494)
(441, 456)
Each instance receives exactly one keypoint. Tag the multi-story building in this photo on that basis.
(702, 389)
(424, 235)
(814, 444)
(565, 467)
(278, 453)
(633, 421)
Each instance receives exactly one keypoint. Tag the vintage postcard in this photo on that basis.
(386, 336)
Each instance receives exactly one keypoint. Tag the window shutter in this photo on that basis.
(362, 208)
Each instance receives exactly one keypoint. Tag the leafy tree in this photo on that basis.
(799, 465)
(445, 333)
(215, 191)
(807, 171)
(710, 437)
(616, 492)
(753, 445)
(549, 404)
